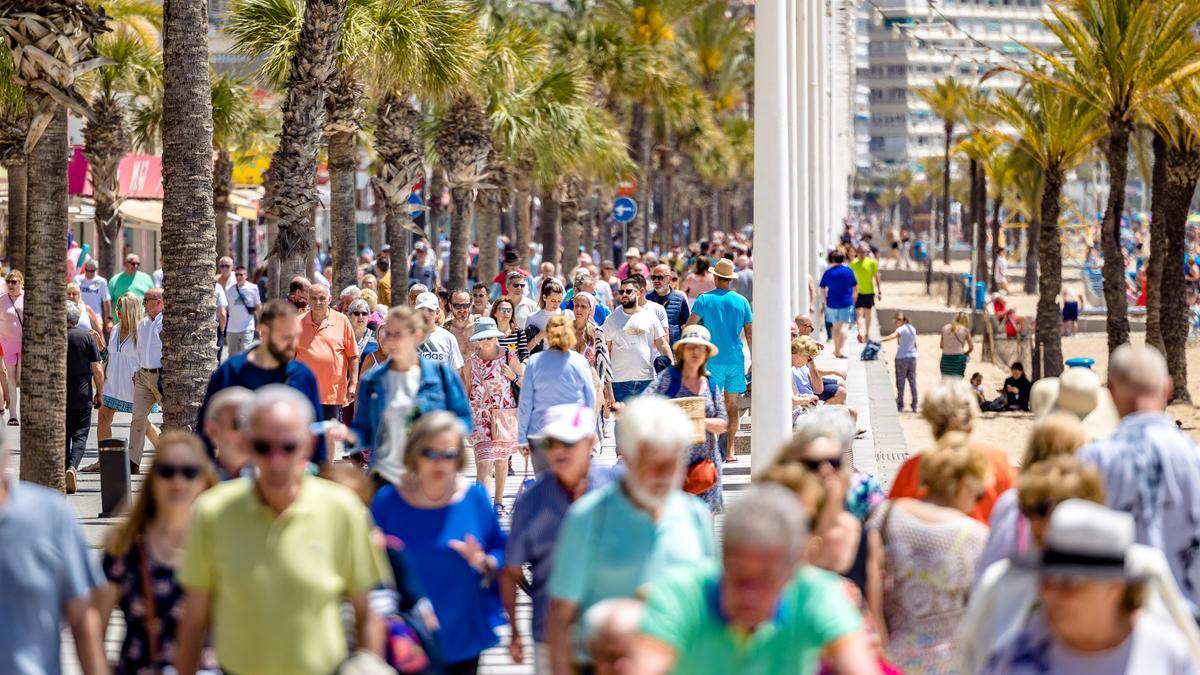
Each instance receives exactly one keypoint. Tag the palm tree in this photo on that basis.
(946, 99)
(1175, 175)
(14, 127)
(234, 119)
(48, 75)
(1028, 184)
(1001, 171)
(1119, 55)
(294, 163)
(132, 73)
(1056, 131)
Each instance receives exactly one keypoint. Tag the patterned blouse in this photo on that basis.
(125, 572)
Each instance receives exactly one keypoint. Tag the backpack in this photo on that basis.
(870, 351)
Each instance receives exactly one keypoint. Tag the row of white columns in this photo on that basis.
(800, 185)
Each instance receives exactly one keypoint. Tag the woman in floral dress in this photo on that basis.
(490, 374)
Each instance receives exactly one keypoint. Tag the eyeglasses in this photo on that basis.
(815, 465)
(480, 296)
(435, 455)
(628, 291)
(133, 264)
(461, 305)
(169, 471)
(265, 447)
(360, 314)
(225, 267)
(1038, 510)
(504, 310)
(517, 285)
(657, 277)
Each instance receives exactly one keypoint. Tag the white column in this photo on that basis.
(826, 166)
(772, 184)
(797, 121)
(812, 210)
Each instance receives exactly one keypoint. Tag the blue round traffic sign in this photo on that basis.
(415, 200)
(624, 209)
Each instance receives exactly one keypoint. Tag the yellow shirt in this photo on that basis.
(277, 580)
(385, 290)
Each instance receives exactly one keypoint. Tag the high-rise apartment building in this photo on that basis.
(915, 42)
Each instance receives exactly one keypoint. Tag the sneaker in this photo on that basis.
(500, 510)
(72, 483)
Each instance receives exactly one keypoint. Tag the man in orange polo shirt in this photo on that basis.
(327, 346)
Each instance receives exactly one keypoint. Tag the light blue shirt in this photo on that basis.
(609, 548)
(552, 378)
(1152, 470)
(906, 342)
(724, 313)
(44, 564)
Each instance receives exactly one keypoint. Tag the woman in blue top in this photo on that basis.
(452, 535)
(553, 377)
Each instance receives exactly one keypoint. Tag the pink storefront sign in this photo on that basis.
(139, 176)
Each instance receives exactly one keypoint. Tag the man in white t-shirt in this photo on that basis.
(225, 275)
(240, 327)
(93, 289)
(222, 304)
(658, 310)
(633, 334)
(440, 345)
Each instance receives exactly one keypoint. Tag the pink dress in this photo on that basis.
(12, 318)
(490, 391)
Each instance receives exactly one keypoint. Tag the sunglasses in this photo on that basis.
(133, 264)
(435, 455)
(360, 314)
(815, 465)
(658, 277)
(517, 285)
(461, 305)
(169, 471)
(628, 291)
(225, 267)
(265, 447)
(1038, 510)
(13, 281)
(480, 296)
(504, 310)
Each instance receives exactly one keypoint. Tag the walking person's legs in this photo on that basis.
(912, 382)
(483, 473)
(145, 395)
(14, 388)
(501, 476)
(901, 378)
(104, 420)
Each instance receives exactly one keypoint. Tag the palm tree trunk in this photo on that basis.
(343, 237)
(551, 235)
(667, 225)
(568, 209)
(435, 187)
(1113, 271)
(18, 185)
(108, 221)
(946, 195)
(489, 229)
(189, 333)
(44, 341)
(1032, 236)
(639, 152)
(1158, 244)
(294, 163)
(522, 205)
(996, 204)
(604, 202)
(395, 220)
(222, 187)
(1182, 174)
(587, 215)
(1049, 335)
(980, 213)
(460, 237)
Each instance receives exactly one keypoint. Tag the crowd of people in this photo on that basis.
(322, 520)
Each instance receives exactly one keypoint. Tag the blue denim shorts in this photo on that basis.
(627, 390)
(839, 314)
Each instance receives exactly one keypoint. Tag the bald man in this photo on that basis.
(1150, 468)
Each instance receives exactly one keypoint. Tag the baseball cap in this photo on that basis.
(428, 301)
(569, 423)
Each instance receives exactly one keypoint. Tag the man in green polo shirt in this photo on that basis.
(269, 561)
(132, 280)
(866, 273)
(761, 612)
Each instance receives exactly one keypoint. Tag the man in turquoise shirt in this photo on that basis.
(726, 315)
(619, 538)
(761, 612)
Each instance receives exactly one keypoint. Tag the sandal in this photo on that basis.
(500, 510)
(14, 422)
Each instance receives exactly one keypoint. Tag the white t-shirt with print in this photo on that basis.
(441, 346)
(93, 292)
(632, 338)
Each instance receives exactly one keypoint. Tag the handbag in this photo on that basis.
(701, 476)
(404, 650)
(505, 420)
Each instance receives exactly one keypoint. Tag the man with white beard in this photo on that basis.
(619, 538)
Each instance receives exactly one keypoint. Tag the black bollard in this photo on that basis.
(114, 475)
